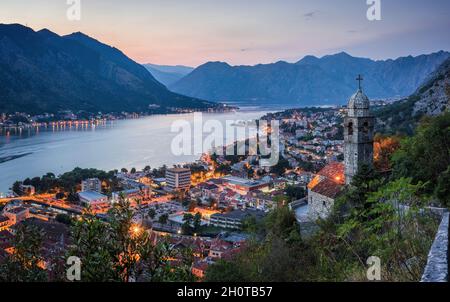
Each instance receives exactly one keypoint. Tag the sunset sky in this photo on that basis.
(192, 32)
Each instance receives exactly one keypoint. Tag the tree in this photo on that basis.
(186, 228)
(119, 250)
(277, 255)
(281, 166)
(225, 271)
(73, 197)
(295, 192)
(197, 222)
(163, 218)
(92, 245)
(151, 213)
(60, 195)
(25, 263)
(442, 190)
(128, 239)
(384, 148)
(63, 218)
(16, 188)
(426, 155)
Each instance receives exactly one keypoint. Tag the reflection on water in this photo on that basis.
(110, 145)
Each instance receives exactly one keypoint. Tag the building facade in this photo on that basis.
(178, 179)
(91, 184)
(92, 198)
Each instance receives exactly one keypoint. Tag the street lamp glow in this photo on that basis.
(136, 230)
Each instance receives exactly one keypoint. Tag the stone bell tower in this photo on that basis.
(358, 134)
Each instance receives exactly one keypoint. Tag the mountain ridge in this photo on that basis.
(166, 74)
(41, 71)
(309, 81)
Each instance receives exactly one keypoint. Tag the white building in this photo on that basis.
(178, 179)
(91, 184)
(92, 198)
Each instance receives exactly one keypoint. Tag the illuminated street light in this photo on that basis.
(136, 230)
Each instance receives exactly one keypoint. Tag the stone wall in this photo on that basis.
(319, 206)
(436, 269)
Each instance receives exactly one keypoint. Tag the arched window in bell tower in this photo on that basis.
(366, 128)
(350, 128)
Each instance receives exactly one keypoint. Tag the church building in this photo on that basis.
(328, 183)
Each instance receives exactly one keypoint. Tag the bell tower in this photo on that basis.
(358, 133)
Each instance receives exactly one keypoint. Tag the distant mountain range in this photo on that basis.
(166, 74)
(44, 72)
(310, 81)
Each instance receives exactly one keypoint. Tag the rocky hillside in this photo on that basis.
(434, 95)
(431, 98)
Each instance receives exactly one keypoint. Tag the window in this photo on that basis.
(350, 128)
(366, 128)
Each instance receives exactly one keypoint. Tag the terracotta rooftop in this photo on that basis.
(201, 265)
(3, 219)
(221, 245)
(328, 188)
(334, 171)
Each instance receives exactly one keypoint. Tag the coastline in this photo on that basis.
(20, 168)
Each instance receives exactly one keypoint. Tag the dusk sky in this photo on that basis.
(192, 32)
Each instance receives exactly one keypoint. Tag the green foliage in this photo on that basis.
(401, 236)
(118, 250)
(197, 222)
(426, 155)
(70, 181)
(151, 213)
(163, 218)
(25, 262)
(277, 256)
(295, 192)
(186, 228)
(442, 190)
(367, 220)
(16, 188)
(281, 166)
(63, 218)
(398, 118)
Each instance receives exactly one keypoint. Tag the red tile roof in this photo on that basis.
(334, 171)
(328, 188)
(220, 245)
(201, 265)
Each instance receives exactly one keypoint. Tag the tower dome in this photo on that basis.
(359, 101)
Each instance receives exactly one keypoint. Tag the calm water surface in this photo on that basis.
(125, 143)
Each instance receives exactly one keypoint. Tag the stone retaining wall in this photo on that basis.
(436, 269)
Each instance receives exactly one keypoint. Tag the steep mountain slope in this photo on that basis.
(431, 98)
(311, 81)
(166, 74)
(44, 72)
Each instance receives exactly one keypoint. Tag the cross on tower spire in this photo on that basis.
(359, 79)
